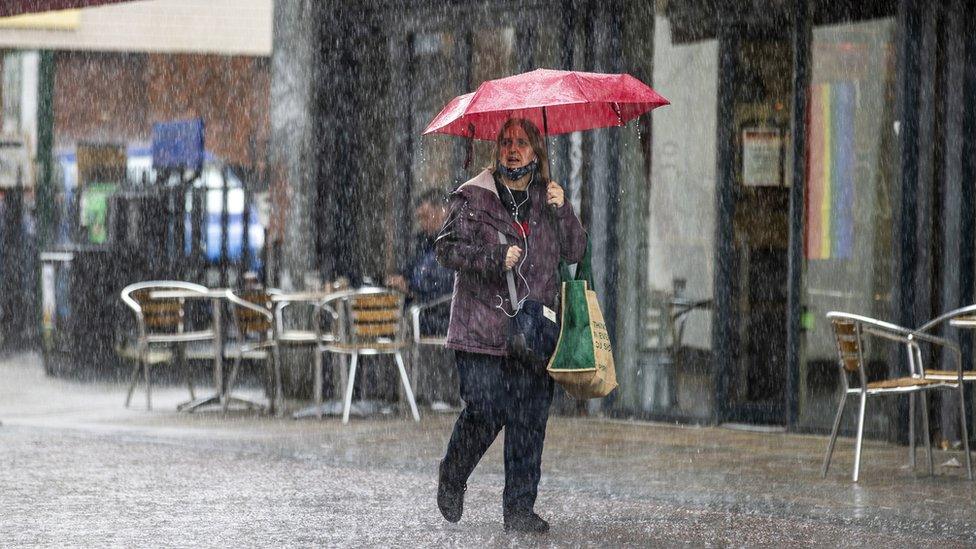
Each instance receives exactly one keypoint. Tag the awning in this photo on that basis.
(17, 7)
(693, 20)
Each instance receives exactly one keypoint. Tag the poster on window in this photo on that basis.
(761, 155)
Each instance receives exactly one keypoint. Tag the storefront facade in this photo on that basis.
(814, 157)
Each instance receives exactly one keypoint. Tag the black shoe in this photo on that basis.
(526, 522)
(450, 497)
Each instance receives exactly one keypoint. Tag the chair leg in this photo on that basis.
(833, 435)
(145, 373)
(414, 368)
(860, 435)
(136, 368)
(317, 386)
(187, 372)
(965, 432)
(925, 431)
(278, 402)
(232, 377)
(352, 381)
(343, 376)
(911, 430)
(406, 386)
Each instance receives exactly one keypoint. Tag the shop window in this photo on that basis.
(681, 226)
(850, 194)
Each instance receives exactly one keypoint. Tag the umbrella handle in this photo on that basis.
(545, 130)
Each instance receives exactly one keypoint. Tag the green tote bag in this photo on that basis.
(583, 360)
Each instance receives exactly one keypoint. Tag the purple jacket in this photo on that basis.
(469, 244)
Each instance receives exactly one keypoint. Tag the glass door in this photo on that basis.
(760, 228)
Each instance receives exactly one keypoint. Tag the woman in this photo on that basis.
(517, 199)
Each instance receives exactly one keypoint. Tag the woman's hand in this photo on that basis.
(512, 256)
(555, 195)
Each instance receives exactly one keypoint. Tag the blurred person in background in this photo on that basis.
(424, 280)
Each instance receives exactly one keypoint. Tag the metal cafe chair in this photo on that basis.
(421, 339)
(849, 333)
(309, 333)
(257, 339)
(161, 321)
(961, 318)
(370, 324)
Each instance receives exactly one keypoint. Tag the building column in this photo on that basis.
(45, 148)
(294, 162)
(633, 210)
(801, 85)
(724, 323)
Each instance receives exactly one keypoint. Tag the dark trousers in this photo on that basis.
(501, 392)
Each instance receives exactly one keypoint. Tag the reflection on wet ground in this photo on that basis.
(78, 469)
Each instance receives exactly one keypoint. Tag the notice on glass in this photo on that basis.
(47, 297)
(761, 156)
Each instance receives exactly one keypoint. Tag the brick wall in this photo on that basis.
(116, 97)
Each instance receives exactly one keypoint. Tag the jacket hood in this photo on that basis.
(484, 181)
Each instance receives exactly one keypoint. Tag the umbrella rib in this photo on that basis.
(579, 84)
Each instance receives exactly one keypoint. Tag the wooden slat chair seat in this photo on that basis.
(370, 322)
(950, 375)
(850, 332)
(161, 321)
(907, 383)
(380, 347)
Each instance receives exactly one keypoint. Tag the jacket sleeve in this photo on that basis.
(460, 248)
(572, 237)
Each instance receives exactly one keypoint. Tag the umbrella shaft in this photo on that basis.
(545, 131)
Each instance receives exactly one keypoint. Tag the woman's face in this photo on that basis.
(514, 150)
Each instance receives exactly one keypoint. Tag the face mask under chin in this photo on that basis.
(514, 174)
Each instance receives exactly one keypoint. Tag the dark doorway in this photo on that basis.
(760, 227)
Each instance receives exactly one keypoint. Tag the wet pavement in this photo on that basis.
(77, 469)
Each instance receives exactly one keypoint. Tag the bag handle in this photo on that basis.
(584, 270)
(510, 277)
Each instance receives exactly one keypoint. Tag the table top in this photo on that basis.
(301, 296)
(278, 297)
(176, 293)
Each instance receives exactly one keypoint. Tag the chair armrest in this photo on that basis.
(891, 331)
(235, 300)
(900, 334)
(941, 319)
(418, 308)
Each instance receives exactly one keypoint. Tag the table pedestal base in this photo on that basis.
(214, 400)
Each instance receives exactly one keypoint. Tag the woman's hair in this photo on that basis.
(535, 140)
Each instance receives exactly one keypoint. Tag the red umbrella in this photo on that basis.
(17, 7)
(557, 101)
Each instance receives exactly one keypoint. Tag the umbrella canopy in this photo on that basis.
(558, 101)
